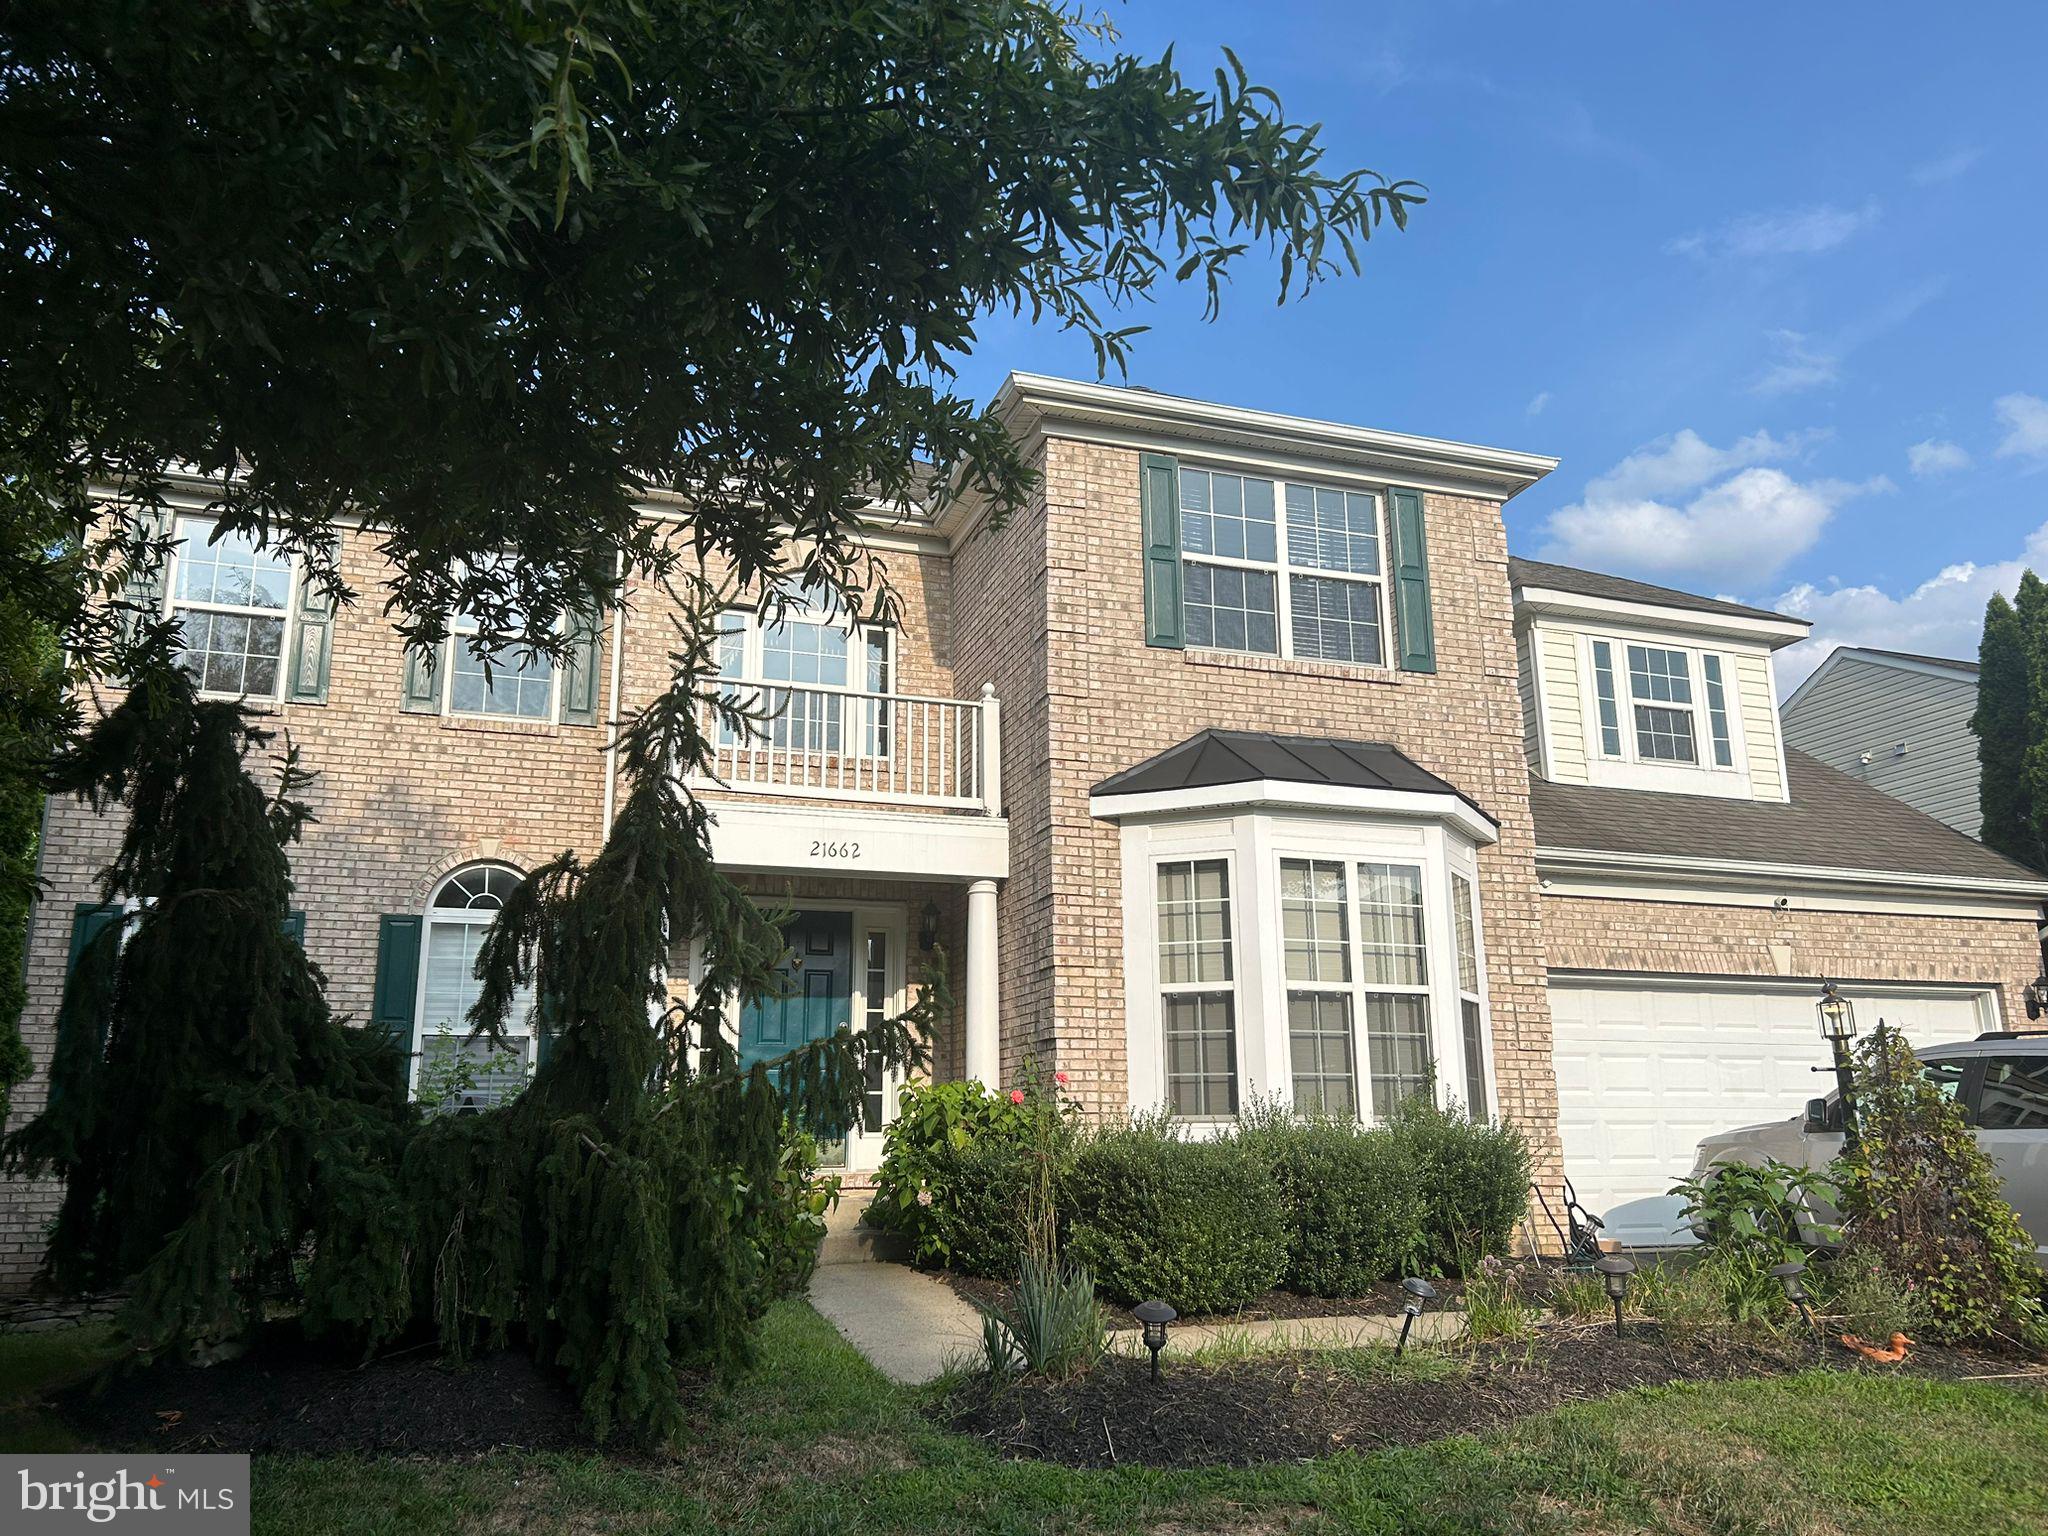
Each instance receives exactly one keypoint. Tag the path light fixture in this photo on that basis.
(1420, 1294)
(928, 926)
(1838, 1028)
(1614, 1272)
(1154, 1315)
(1791, 1275)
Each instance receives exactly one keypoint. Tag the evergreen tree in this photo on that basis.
(2030, 605)
(2000, 723)
(210, 1119)
(616, 1207)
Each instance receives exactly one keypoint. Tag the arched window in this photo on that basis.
(451, 1069)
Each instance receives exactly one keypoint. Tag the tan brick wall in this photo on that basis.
(402, 799)
(1110, 701)
(1583, 933)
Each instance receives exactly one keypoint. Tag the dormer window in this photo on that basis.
(1676, 705)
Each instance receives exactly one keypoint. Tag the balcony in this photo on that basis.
(822, 743)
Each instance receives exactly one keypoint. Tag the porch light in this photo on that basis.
(1791, 1275)
(1154, 1315)
(1420, 1294)
(1614, 1272)
(928, 926)
(1837, 1015)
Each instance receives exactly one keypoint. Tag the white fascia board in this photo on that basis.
(1706, 870)
(1032, 401)
(855, 842)
(1281, 794)
(1549, 602)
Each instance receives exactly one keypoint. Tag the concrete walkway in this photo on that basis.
(909, 1325)
(1283, 1333)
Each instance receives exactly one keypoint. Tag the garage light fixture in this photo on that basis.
(1614, 1272)
(1154, 1315)
(1837, 1015)
(1838, 1028)
(1420, 1294)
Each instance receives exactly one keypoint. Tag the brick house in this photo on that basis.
(1244, 762)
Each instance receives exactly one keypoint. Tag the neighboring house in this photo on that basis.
(1898, 722)
(1242, 763)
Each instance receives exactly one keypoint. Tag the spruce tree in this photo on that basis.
(2000, 724)
(210, 1119)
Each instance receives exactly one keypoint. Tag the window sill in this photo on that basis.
(490, 726)
(1344, 671)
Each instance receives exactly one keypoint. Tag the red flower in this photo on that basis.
(1060, 1078)
(1016, 1095)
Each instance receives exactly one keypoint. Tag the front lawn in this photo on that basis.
(815, 1442)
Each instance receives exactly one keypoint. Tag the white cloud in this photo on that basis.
(1936, 456)
(1682, 508)
(1538, 401)
(1790, 232)
(2025, 419)
(1800, 365)
(1947, 168)
(1943, 616)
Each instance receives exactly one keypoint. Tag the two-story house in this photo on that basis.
(1242, 763)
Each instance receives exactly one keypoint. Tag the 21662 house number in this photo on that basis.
(825, 848)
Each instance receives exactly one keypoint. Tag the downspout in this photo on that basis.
(611, 746)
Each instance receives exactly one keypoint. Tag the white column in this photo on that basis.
(984, 1042)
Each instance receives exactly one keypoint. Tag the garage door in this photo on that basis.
(1648, 1066)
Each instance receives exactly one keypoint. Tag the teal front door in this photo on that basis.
(818, 989)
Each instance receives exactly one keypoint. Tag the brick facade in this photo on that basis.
(1583, 933)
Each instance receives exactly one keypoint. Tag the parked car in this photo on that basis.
(2002, 1083)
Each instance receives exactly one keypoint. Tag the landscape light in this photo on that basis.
(1154, 1315)
(1614, 1272)
(1791, 1276)
(1420, 1294)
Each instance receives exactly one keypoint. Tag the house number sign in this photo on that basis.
(833, 849)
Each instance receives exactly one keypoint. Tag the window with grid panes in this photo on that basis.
(1394, 971)
(1660, 688)
(1198, 1005)
(1316, 936)
(1471, 1004)
(232, 601)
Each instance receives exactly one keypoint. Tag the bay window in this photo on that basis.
(1316, 593)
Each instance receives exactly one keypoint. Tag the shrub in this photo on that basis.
(977, 1218)
(1862, 1297)
(791, 1219)
(1921, 1195)
(1054, 1327)
(1197, 1223)
(1473, 1177)
(1353, 1207)
(914, 1189)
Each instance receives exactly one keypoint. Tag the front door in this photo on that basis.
(817, 978)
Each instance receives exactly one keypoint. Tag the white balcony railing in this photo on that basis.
(842, 744)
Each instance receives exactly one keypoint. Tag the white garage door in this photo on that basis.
(1648, 1066)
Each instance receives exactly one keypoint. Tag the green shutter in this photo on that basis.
(423, 680)
(580, 670)
(1414, 627)
(142, 591)
(398, 978)
(295, 927)
(312, 642)
(89, 919)
(1159, 498)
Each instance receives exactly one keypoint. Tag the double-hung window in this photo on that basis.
(1316, 936)
(1282, 568)
(458, 1072)
(232, 600)
(1675, 710)
(1395, 973)
(821, 682)
(510, 681)
(1198, 995)
(1471, 1000)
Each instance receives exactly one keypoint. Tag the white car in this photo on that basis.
(2002, 1083)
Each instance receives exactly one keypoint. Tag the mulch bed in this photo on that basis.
(1294, 1407)
(290, 1395)
(1381, 1301)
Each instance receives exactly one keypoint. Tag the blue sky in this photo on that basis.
(1768, 279)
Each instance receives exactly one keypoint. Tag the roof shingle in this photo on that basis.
(1569, 578)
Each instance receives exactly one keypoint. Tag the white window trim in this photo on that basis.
(860, 636)
(172, 607)
(516, 1029)
(1283, 569)
(1464, 862)
(1231, 987)
(1253, 843)
(1632, 770)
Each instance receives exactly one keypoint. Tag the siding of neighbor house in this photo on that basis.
(1868, 707)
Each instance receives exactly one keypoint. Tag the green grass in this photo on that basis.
(814, 1443)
